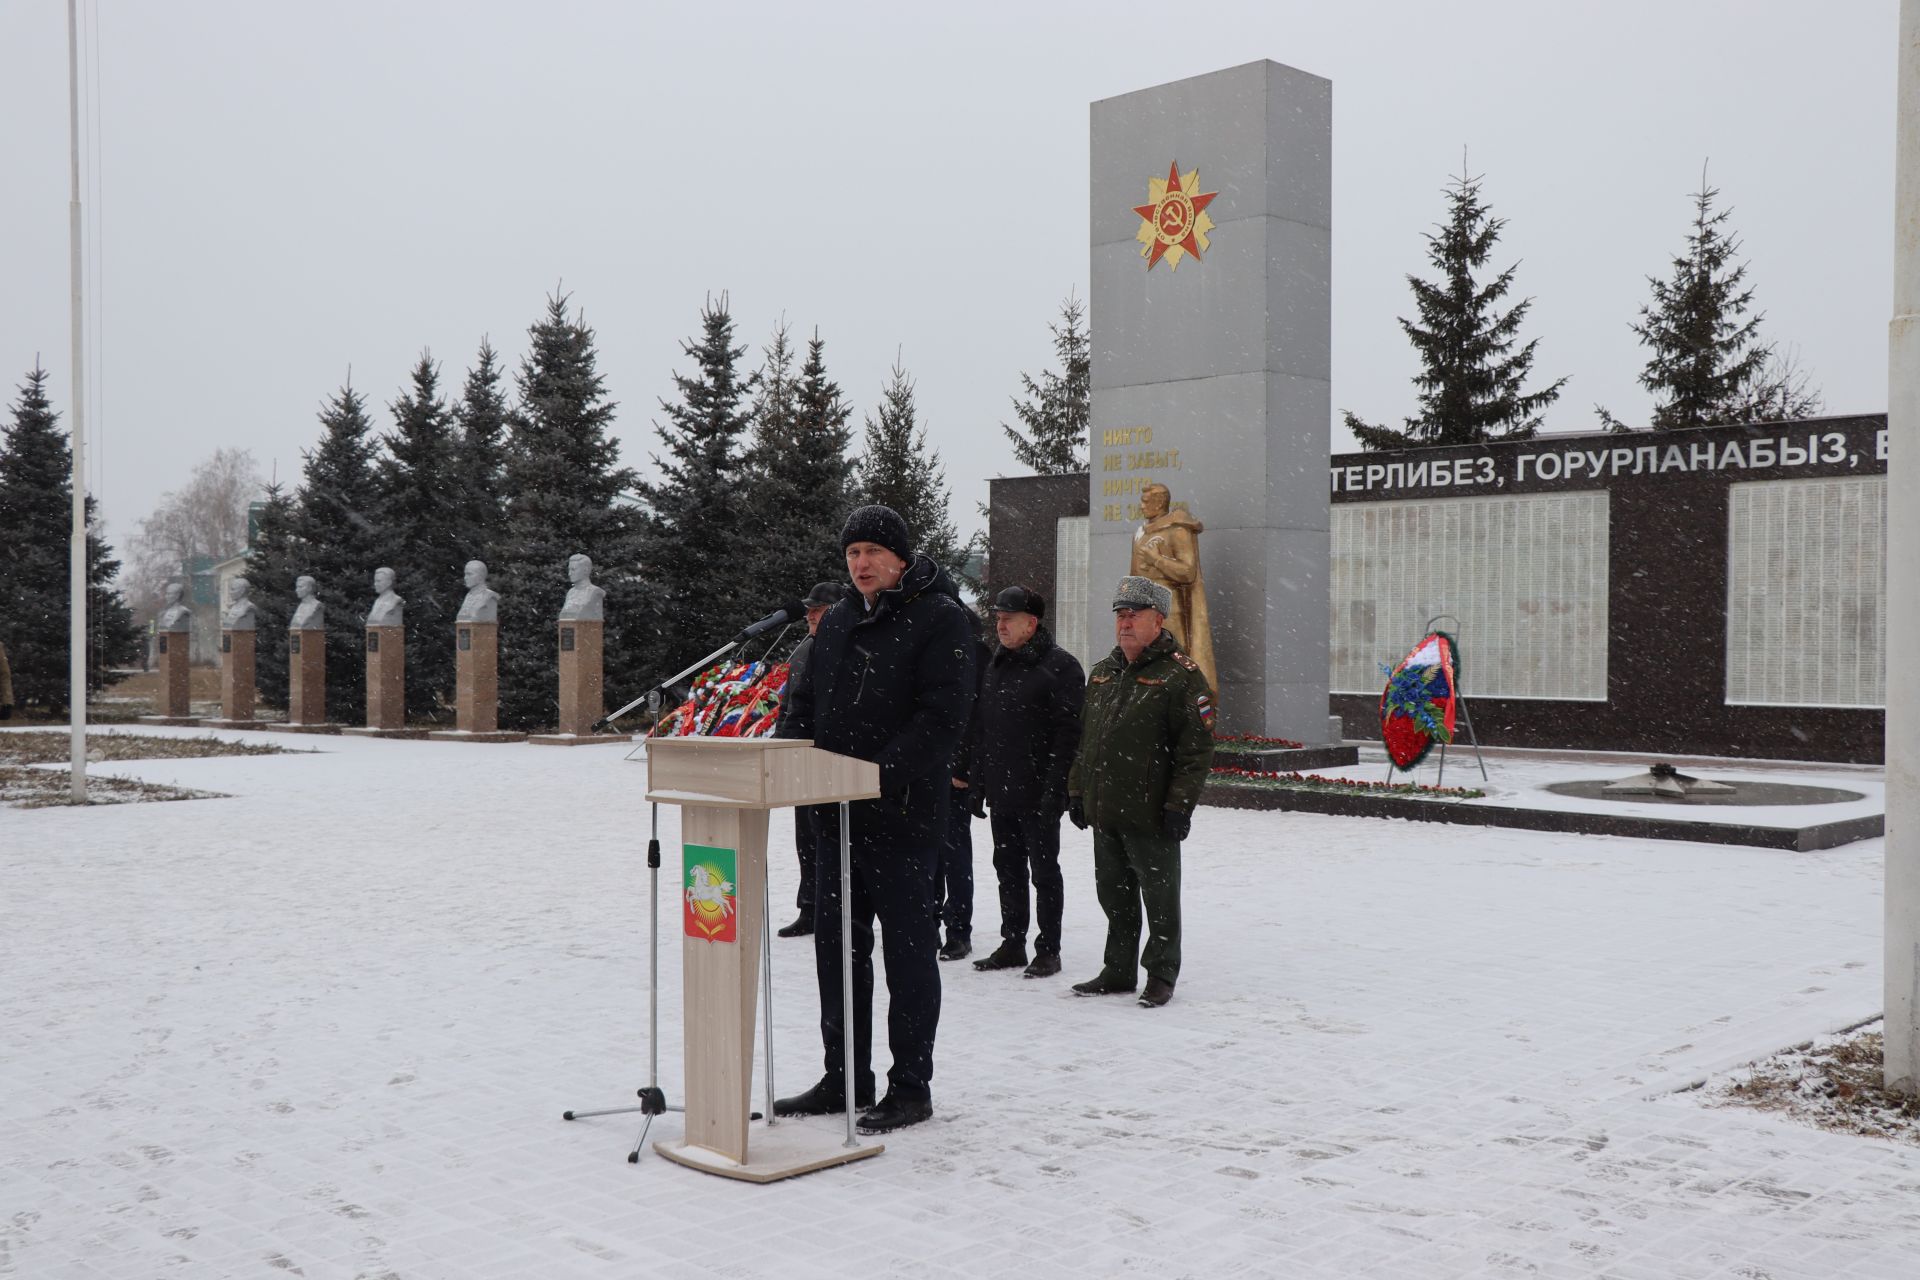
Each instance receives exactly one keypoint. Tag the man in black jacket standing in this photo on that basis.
(1029, 719)
(954, 879)
(806, 817)
(890, 680)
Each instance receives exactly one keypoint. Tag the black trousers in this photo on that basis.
(806, 845)
(953, 883)
(1028, 845)
(893, 881)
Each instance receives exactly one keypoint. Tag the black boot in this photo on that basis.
(896, 1111)
(800, 928)
(1043, 966)
(959, 946)
(1158, 992)
(824, 1099)
(1104, 984)
(1008, 955)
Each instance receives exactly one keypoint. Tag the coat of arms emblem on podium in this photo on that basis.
(710, 901)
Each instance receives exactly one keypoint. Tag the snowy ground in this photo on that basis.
(326, 1028)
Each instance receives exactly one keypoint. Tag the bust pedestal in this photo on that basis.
(171, 649)
(306, 683)
(387, 685)
(582, 700)
(236, 680)
(476, 699)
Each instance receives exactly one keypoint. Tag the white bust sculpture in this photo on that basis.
(483, 602)
(242, 614)
(585, 602)
(389, 610)
(309, 614)
(174, 616)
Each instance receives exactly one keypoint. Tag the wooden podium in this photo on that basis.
(724, 787)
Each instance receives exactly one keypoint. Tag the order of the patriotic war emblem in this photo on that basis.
(1174, 221)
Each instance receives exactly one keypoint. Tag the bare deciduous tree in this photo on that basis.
(206, 517)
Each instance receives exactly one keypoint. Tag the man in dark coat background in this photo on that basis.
(954, 879)
(890, 679)
(1029, 727)
(806, 817)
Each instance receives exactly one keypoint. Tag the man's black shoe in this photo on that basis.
(959, 947)
(1008, 955)
(825, 1099)
(895, 1112)
(1158, 992)
(1103, 984)
(1043, 966)
(800, 928)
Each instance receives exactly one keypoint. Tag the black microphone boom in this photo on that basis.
(791, 611)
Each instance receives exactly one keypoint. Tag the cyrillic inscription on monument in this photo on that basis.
(1126, 461)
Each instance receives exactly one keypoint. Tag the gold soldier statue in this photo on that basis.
(1166, 548)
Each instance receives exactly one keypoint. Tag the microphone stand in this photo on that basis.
(653, 1099)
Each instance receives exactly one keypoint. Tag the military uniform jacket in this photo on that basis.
(1146, 738)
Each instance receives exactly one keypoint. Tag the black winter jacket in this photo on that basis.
(968, 750)
(802, 652)
(893, 684)
(1029, 726)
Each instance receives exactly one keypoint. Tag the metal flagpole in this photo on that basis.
(77, 566)
(1902, 895)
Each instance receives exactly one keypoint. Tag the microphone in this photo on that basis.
(791, 611)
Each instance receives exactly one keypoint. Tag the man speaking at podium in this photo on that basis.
(890, 680)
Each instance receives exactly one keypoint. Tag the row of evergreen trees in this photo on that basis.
(36, 516)
(756, 473)
(1707, 363)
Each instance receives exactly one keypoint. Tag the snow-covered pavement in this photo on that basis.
(327, 1027)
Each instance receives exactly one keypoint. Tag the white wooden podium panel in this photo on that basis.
(725, 786)
(722, 984)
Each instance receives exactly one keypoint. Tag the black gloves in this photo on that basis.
(1175, 824)
(1077, 813)
(6, 711)
(976, 801)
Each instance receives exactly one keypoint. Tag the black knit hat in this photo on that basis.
(1020, 600)
(881, 525)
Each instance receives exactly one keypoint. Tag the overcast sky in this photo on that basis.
(286, 191)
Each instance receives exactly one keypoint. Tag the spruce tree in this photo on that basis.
(481, 457)
(336, 524)
(1708, 364)
(1471, 377)
(274, 560)
(36, 529)
(700, 533)
(1052, 437)
(799, 475)
(565, 495)
(899, 470)
(420, 485)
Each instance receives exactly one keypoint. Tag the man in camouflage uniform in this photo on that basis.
(1146, 744)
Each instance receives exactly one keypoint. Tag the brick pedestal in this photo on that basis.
(236, 681)
(306, 684)
(387, 684)
(171, 650)
(582, 699)
(476, 692)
